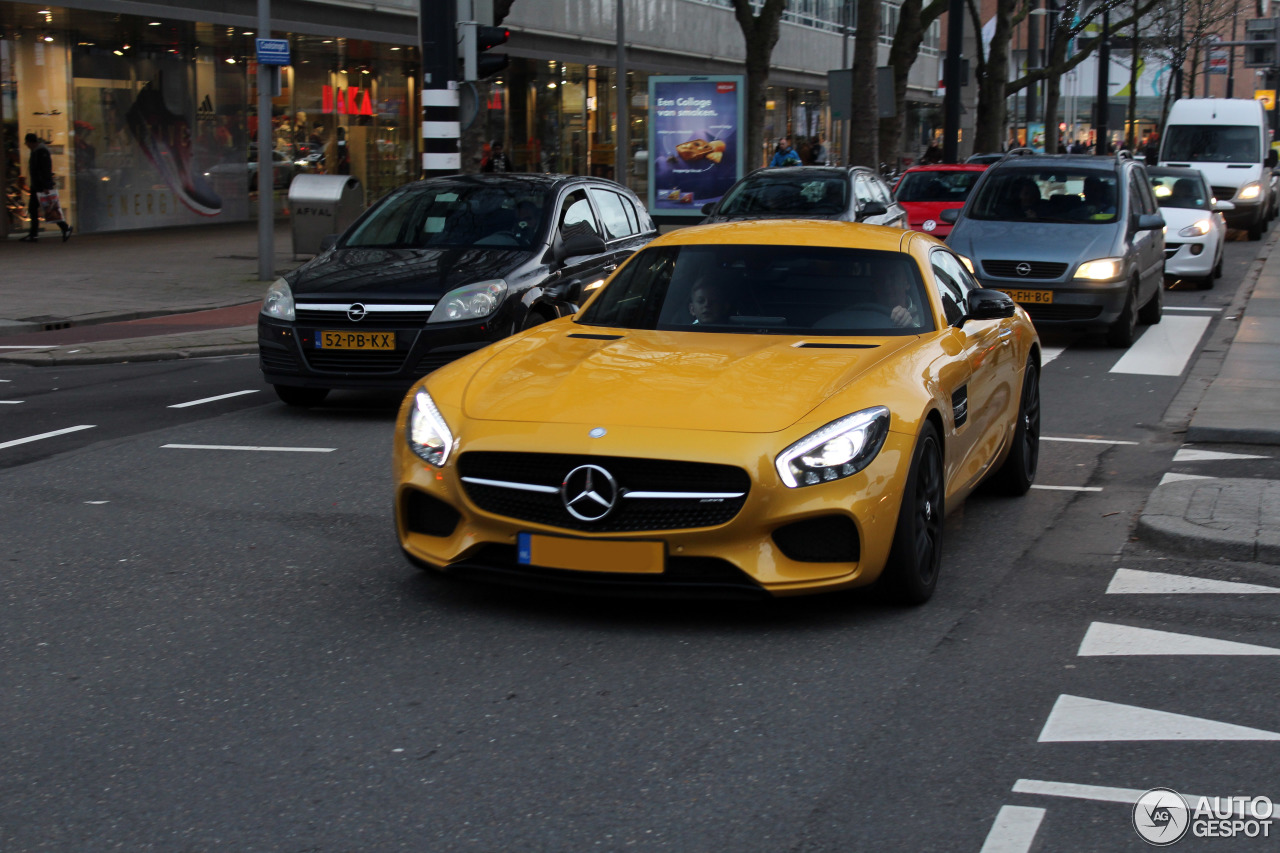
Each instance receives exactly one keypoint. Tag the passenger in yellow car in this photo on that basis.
(708, 303)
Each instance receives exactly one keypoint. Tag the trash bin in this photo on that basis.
(321, 205)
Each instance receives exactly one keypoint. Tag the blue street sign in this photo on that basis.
(273, 51)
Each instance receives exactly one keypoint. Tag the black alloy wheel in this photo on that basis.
(911, 573)
(1124, 330)
(1019, 469)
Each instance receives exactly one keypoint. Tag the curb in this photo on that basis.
(1228, 518)
(238, 340)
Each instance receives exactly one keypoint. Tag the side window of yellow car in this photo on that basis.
(952, 283)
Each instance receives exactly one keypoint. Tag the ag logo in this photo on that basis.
(1161, 816)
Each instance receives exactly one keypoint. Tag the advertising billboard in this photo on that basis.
(695, 147)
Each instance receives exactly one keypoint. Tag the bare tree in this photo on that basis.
(914, 19)
(864, 120)
(761, 34)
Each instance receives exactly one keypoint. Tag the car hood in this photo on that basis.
(1054, 242)
(401, 273)
(1177, 218)
(678, 380)
(749, 217)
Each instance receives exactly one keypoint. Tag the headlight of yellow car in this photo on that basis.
(1251, 190)
(1103, 269)
(838, 450)
(429, 435)
(1199, 229)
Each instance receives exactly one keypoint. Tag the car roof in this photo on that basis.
(1040, 161)
(1174, 172)
(793, 232)
(528, 179)
(949, 167)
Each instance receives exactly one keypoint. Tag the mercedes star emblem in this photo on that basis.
(589, 492)
(356, 313)
(1023, 268)
(598, 432)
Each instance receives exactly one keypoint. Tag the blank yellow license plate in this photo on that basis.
(1033, 297)
(356, 340)
(591, 555)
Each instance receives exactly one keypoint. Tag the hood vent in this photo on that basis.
(594, 337)
(828, 345)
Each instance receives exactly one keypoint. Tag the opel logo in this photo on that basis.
(1023, 268)
(589, 492)
(356, 313)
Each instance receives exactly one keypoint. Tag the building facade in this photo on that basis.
(150, 108)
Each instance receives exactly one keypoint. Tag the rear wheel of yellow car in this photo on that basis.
(1019, 469)
(911, 573)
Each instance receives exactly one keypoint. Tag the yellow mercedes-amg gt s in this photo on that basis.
(744, 409)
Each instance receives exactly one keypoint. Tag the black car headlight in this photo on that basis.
(428, 434)
(471, 302)
(838, 450)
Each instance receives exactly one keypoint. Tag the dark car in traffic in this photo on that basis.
(841, 193)
(440, 268)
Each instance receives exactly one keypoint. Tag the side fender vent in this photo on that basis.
(960, 405)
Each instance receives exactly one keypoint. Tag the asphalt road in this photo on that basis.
(222, 649)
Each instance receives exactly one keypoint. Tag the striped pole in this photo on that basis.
(440, 117)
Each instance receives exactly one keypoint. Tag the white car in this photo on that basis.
(1195, 230)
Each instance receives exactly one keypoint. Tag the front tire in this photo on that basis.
(1019, 469)
(911, 573)
(1154, 309)
(1124, 330)
(304, 397)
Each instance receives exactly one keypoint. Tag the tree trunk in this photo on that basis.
(760, 32)
(992, 109)
(1053, 87)
(864, 123)
(1134, 66)
(913, 20)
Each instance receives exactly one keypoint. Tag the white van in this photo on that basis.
(1228, 139)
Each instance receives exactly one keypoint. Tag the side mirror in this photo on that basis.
(579, 245)
(950, 215)
(988, 305)
(1150, 222)
(708, 208)
(872, 208)
(328, 241)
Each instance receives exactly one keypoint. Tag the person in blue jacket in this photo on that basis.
(785, 155)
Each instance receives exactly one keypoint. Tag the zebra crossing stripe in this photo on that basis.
(1076, 719)
(1104, 639)
(1014, 830)
(1135, 582)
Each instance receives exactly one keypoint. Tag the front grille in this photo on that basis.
(1062, 313)
(1224, 193)
(634, 475)
(428, 514)
(1171, 249)
(1009, 269)
(356, 361)
(337, 318)
(827, 539)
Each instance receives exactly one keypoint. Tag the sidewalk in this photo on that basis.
(200, 288)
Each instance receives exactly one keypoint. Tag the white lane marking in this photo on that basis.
(1163, 350)
(1087, 440)
(96, 503)
(1103, 794)
(11, 346)
(1193, 308)
(1135, 582)
(244, 447)
(213, 399)
(1187, 454)
(1048, 354)
(1104, 639)
(18, 441)
(1014, 830)
(1069, 488)
(1171, 477)
(11, 402)
(1078, 719)
(6, 380)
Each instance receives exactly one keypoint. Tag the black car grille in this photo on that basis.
(277, 361)
(338, 319)
(1009, 269)
(1062, 313)
(634, 475)
(1224, 193)
(1171, 249)
(356, 361)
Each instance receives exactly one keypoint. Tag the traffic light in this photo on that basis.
(476, 39)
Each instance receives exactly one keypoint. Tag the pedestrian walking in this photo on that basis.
(785, 155)
(44, 190)
(497, 160)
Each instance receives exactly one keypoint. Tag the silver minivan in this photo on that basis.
(1076, 240)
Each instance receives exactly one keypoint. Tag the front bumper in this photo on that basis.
(1182, 261)
(758, 552)
(1075, 304)
(1247, 214)
(288, 355)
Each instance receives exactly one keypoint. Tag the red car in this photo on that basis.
(926, 191)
